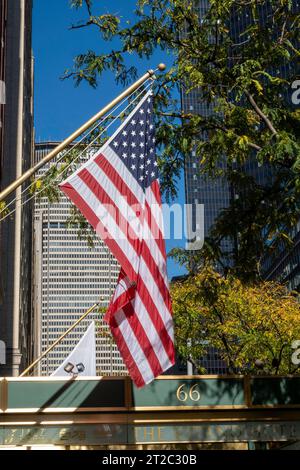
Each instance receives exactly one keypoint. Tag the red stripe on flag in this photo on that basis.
(159, 324)
(142, 338)
(118, 253)
(140, 314)
(99, 227)
(116, 179)
(155, 230)
(156, 191)
(131, 365)
(140, 248)
(122, 187)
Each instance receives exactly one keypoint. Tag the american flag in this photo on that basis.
(118, 192)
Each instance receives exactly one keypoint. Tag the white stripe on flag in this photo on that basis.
(110, 224)
(151, 332)
(134, 347)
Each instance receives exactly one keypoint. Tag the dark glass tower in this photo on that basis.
(213, 194)
(284, 265)
(216, 194)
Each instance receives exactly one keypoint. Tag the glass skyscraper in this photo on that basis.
(216, 194)
(284, 265)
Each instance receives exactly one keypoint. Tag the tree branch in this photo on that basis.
(254, 146)
(280, 358)
(207, 127)
(282, 33)
(88, 5)
(260, 113)
(88, 23)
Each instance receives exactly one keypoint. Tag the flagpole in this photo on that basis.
(25, 176)
(59, 340)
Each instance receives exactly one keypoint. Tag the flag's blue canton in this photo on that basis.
(135, 145)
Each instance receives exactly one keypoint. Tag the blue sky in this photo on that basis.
(60, 107)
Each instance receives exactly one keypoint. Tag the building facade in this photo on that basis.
(69, 277)
(216, 194)
(284, 265)
(16, 138)
(3, 20)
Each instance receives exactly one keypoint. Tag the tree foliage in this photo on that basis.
(246, 78)
(252, 326)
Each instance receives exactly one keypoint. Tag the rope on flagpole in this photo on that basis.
(74, 146)
(58, 160)
(145, 88)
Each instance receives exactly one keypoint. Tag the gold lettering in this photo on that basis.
(64, 434)
(183, 393)
(149, 432)
(137, 433)
(160, 436)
